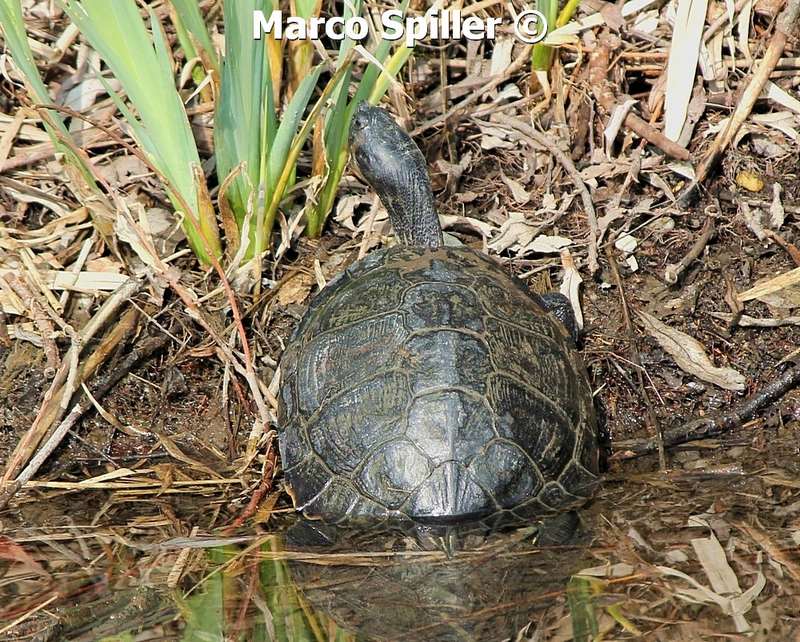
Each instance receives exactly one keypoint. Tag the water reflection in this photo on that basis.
(391, 588)
(366, 586)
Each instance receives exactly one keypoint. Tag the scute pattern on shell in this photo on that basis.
(424, 384)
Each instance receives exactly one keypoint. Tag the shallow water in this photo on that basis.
(90, 566)
(364, 587)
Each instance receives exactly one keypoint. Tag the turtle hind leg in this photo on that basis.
(559, 530)
(559, 305)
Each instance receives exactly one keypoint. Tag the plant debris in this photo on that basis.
(648, 171)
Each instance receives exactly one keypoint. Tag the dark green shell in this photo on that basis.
(430, 385)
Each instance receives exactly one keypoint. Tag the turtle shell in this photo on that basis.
(429, 385)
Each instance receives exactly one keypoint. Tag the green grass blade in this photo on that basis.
(144, 67)
(615, 611)
(542, 55)
(283, 600)
(336, 120)
(14, 35)
(372, 71)
(292, 116)
(566, 13)
(274, 163)
(337, 126)
(190, 19)
(301, 52)
(204, 611)
(306, 8)
(245, 119)
(581, 608)
(391, 69)
(335, 150)
(299, 141)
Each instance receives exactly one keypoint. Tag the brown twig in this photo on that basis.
(142, 351)
(706, 427)
(674, 271)
(64, 383)
(247, 369)
(455, 113)
(636, 358)
(784, 26)
(569, 167)
(264, 486)
(40, 319)
(597, 68)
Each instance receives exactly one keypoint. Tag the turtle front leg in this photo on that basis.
(561, 308)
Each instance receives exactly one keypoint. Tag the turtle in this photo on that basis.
(426, 385)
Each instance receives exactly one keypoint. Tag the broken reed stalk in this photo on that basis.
(566, 162)
(706, 427)
(64, 384)
(142, 351)
(246, 369)
(784, 26)
(597, 70)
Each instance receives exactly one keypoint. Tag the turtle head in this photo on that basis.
(395, 168)
(376, 141)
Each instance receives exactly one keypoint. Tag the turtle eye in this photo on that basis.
(361, 117)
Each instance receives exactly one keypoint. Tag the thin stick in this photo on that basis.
(569, 167)
(706, 427)
(636, 358)
(786, 23)
(597, 70)
(455, 113)
(64, 385)
(673, 271)
(139, 353)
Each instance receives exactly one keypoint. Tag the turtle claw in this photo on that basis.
(561, 308)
